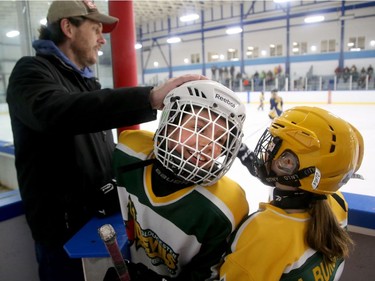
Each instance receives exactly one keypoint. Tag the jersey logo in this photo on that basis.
(314, 269)
(156, 249)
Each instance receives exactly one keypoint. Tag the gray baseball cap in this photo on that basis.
(86, 8)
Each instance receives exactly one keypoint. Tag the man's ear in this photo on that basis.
(66, 27)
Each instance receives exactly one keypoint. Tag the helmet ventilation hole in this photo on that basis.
(196, 92)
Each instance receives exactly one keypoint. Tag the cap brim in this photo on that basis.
(109, 23)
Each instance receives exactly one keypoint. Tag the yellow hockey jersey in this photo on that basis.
(270, 245)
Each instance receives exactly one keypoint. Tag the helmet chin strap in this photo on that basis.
(294, 199)
(290, 180)
(291, 199)
(169, 176)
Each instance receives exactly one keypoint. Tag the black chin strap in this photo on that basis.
(136, 165)
(294, 199)
(291, 180)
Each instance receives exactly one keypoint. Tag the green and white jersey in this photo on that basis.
(270, 245)
(183, 233)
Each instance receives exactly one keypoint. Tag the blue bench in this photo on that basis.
(87, 243)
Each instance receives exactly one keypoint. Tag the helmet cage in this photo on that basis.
(183, 164)
(265, 151)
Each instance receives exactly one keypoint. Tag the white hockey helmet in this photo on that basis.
(218, 116)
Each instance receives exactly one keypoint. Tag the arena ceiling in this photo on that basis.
(151, 10)
(144, 10)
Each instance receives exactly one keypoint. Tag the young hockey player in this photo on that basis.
(276, 104)
(178, 207)
(307, 154)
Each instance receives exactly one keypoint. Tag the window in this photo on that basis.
(324, 46)
(232, 54)
(328, 46)
(252, 52)
(195, 58)
(356, 43)
(332, 45)
(276, 50)
(299, 48)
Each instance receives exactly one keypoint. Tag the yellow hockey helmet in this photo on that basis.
(327, 150)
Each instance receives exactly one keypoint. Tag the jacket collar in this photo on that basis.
(47, 47)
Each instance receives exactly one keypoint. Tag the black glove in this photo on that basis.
(106, 201)
(248, 159)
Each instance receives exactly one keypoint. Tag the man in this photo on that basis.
(61, 123)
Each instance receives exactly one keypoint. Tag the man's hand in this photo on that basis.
(158, 93)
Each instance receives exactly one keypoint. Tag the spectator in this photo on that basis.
(300, 234)
(61, 123)
(354, 74)
(370, 71)
(346, 74)
(362, 78)
(338, 73)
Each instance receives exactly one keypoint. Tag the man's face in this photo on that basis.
(86, 41)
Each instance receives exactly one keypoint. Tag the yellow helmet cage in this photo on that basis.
(321, 140)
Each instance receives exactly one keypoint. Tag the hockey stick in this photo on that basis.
(108, 235)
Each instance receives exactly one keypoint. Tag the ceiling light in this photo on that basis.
(313, 19)
(234, 30)
(12, 33)
(190, 17)
(138, 46)
(173, 40)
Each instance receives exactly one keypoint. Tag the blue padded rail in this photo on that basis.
(361, 210)
(10, 205)
(6, 147)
